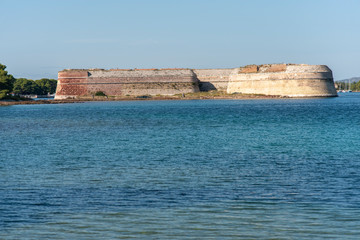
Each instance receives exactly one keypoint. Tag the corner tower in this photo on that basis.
(290, 80)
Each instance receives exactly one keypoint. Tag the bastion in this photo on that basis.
(290, 80)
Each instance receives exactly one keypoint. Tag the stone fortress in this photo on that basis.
(288, 80)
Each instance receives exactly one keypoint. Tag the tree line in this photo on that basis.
(354, 86)
(24, 86)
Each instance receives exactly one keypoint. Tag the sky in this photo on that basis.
(41, 37)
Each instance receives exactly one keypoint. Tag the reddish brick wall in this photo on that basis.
(117, 82)
(72, 83)
(73, 74)
(71, 89)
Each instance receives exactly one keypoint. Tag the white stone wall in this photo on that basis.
(296, 81)
(213, 79)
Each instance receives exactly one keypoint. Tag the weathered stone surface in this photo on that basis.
(118, 82)
(295, 81)
(213, 79)
(73, 74)
(292, 80)
(273, 68)
(249, 69)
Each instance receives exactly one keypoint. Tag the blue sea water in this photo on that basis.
(201, 169)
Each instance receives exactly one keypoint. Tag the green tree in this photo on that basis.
(46, 85)
(26, 86)
(357, 86)
(6, 82)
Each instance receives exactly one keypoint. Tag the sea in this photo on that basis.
(185, 169)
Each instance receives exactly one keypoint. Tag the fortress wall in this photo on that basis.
(213, 79)
(302, 68)
(71, 83)
(74, 83)
(291, 80)
(138, 89)
(283, 80)
(172, 74)
(290, 88)
(143, 76)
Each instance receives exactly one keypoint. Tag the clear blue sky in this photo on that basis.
(39, 38)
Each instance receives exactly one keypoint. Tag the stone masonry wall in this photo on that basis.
(290, 80)
(283, 80)
(72, 83)
(126, 82)
(213, 79)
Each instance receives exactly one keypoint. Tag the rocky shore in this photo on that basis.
(190, 96)
(28, 102)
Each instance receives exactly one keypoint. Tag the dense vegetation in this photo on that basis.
(6, 82)
(100, 93)
(20, 86)
(355, 86)
(38, 87)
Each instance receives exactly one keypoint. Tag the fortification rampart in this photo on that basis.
(271, 79)
(74, 83)
(213, 79)
(283, 80)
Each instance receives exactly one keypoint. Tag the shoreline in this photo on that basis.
(197, 96)
(33, 102)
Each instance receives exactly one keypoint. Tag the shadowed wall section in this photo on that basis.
(213, 79)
